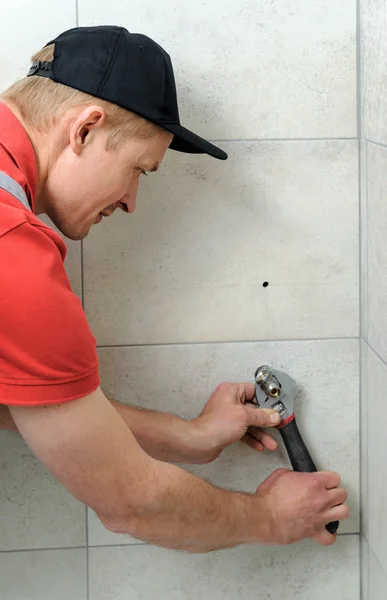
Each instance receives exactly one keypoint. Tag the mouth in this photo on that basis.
(98, 218)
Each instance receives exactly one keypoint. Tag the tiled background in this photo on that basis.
(176, 289)
(373, 296)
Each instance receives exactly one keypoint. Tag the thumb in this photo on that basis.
(267, 483)
(325, 538)
(262, 417)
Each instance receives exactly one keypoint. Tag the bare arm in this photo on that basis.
(91, 450)
(224, 420)
(93, 453)
(227, 417)
(165, 436)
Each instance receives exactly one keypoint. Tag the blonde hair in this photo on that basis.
(42, 102)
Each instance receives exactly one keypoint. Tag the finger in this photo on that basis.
(325, 538)
(262, 436)
(247, 392)
(337, 496)
(252, 443)
(262, 417)
(331, 480)
(338, 513)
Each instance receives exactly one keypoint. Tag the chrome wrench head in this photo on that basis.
(276, 390)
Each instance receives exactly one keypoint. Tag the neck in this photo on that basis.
(43, 149)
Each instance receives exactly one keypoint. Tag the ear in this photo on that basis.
(89, 119)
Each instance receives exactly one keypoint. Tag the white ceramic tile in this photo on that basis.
(35, 510)
(364, 568)
(190, 263)
(73, 264)
(377, 452)
(305, 572)
(377, 579)
(320, 311)
(252, 69)
(377, 248)
(25, 27)
(180, 379)
(364, 407)
(374, 69)
(363, 242)
(45, 575)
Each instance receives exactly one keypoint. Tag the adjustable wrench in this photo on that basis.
(278, 391)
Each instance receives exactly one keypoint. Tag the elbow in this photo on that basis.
(118, 523)
(118, 520)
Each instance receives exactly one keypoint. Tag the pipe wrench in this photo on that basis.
(278, 391)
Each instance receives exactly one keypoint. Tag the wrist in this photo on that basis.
(251, 521)
(204, 445)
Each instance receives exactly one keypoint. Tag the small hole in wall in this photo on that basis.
(265, 284)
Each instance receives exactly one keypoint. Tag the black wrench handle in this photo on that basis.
(299, 456)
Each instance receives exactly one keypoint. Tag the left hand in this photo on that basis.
(229, 417)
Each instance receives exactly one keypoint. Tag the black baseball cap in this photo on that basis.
(127, 69)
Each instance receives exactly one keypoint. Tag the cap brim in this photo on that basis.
(187, 141)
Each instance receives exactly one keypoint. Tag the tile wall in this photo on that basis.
(373, 47)
(177, 289)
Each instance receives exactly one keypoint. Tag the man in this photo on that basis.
(97, 110)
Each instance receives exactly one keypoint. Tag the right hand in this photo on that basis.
(299, 505)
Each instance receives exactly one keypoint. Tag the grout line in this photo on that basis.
(366, 237)
(129, 544)
(361, 566)
(42, 549)
(358, 70)
(306, 139)
(366, 341)
(375, 143)
(142, 544)
(359, 131)
(77, 13)
(87, 556)
(234, 342)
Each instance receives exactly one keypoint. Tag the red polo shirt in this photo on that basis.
(47, 352)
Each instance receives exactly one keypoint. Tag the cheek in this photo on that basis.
(104, 183)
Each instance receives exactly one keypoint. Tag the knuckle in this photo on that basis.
(260, 417)
(224, 386)
(283, 472)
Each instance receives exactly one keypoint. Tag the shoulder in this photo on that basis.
(46, 339)
(23, 237)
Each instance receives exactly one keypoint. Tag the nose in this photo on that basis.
(128, 202)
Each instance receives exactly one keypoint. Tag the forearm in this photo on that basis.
(163, 436)
(93, 453)
(166, 437)
(180, 511)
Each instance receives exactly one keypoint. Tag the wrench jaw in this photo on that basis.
(276, 390)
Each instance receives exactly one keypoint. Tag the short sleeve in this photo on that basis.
(47, 351)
